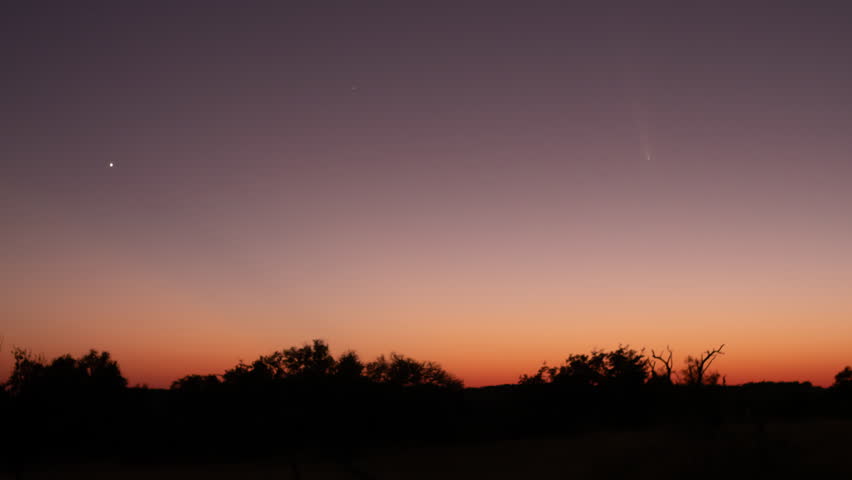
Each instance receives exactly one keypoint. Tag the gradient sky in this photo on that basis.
(484, 186)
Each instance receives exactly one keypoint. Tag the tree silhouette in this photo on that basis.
(3, 391)
(665, 375)
(843, 380)
(623, 367)
(309, 360)
(101, 372)
(543, 375)
(404, 371)
(93, 374)
(696, 371)
(582, 369)
(312, 362)
(196, 383)
(303, 398)
(26, 372)
(349, 366)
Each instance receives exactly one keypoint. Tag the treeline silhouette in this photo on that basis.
(302, 398)
(313, 364)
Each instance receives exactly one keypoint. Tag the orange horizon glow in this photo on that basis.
(486, 362)
(140, 371)
(778, 328)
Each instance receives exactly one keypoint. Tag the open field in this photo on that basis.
(780, 450)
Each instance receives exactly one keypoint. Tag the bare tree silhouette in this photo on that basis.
(667, 364)
(696, 371)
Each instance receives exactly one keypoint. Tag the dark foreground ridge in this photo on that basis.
(303, 403)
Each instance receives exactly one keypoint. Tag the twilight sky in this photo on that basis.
(484, 186)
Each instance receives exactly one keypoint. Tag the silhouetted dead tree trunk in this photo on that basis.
(667, 362)
(696, 369)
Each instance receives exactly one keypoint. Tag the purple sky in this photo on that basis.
(448, 181)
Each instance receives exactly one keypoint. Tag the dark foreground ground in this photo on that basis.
(805, 449)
